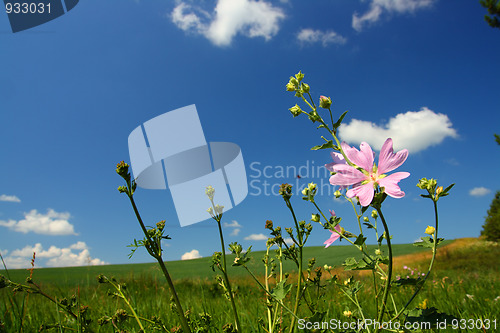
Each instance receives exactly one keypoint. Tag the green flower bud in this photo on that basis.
(314, 116)
(315, 218)
(325, 102)
(122, 189)
(366, 219)
(286, 191)
(269, 225)
(122, 170)
(295, 110)
(294, 81)
(290, 86)
(337, 194)
(374, 214)
(299, 76)
(305, 88)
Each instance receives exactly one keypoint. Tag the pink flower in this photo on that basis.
(366, 181)
(334, 236)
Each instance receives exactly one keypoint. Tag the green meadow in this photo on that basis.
(465, 285)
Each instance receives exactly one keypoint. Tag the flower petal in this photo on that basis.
(390, 184)
(346, 175)
(363, 192)
(388, 160)
(333, 237)
(337, 158)
(363, 158)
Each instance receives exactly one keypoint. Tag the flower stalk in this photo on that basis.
(153, 247)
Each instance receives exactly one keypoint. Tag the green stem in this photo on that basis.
(434, 250)
(230, 290)
(299, 282)
(389, 270)
(122, 296)
(297, 295)
(269, 293)
(268, 302)
(156, 253)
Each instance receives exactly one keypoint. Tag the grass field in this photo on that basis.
(465, 284)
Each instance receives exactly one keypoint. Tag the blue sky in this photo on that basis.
(72, 90)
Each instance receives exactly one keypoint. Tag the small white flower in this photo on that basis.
(210, 191)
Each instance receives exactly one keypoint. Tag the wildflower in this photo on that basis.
(218, 209)
(364, 182)
(210, 192)
(348, 313)
(430, 230)
(334, 236)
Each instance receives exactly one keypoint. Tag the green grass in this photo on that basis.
(464, 284)
(190, 269)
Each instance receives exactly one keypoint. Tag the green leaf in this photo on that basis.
(337, 124)
(406, 282)
(281, 290)
(351, 264)
(427, 242)
(448, 188)
(369, 225)
(360, 240)
(326, 145)
(430, 315)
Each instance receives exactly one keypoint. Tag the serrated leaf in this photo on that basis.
(351, 264)
(281, 290)
(326, 145)
(430, 315)
(427, 242)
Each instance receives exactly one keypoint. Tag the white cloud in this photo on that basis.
(193, 254)
(235, 232)
(52, 223)
(233, 224)
(9, 198)
(53, 257)
(311, 36)
(229, 18)
(256, 237)
(479, 191)
(413, 130)
(377, 7)
(288, 241)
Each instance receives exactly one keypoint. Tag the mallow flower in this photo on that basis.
(365, 182)
(334, 236)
